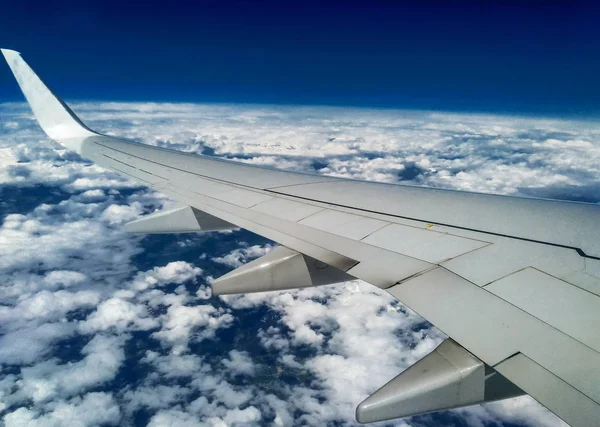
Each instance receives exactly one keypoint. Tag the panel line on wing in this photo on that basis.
(507, 358)
(209, 178)
(133, 167)
(545, 296)
(529, 313)
(330, 179)
(208, 159)
(136, 178)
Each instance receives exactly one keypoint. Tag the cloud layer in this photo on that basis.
(98, 327)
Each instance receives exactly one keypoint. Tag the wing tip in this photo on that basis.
(9, 52)
(54, 116)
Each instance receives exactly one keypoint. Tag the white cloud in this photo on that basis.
(240, 417)
(174, 272)
(239, 363)
(272, 337)
(102, 359)
(174, 418)
(174, 365)
(155, 397)
(93, 195)
(91, 410)
(48, 305)
(120, 315)
(231, 397)
(121, 213)
(28, 343)
(241, 256)
(53, 237)
(62, 278)
(234, 418)
(180, 321)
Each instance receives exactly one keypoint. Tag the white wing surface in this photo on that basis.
(514, 282)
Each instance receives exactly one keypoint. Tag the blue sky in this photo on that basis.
(534, 58)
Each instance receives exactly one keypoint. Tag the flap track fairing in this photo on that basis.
(448, 377)
(280, 269)
(181, 219)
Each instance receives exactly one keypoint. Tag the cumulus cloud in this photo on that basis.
(62, 278)
(120, 213)
(242, 255)
(91, 410)
(181, 320)
(155, 397)
(119, 314)
(174, 418)
(25, 344)
(174, 365)
(239, 363)
(103, 356)
(55, 237)
(102, 328)
(174, 272)
(46, 305)
(350, 326)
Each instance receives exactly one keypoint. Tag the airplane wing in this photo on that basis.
(514, 282)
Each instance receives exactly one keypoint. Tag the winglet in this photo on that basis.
(54, 116)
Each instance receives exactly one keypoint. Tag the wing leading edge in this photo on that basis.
(513, 281)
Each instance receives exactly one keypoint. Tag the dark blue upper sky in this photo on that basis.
(511, 56)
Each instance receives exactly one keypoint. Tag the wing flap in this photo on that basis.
(553, 301)
(564, 400)
(507, 256)
(422, 243)
(287, 209)
(355, 227)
